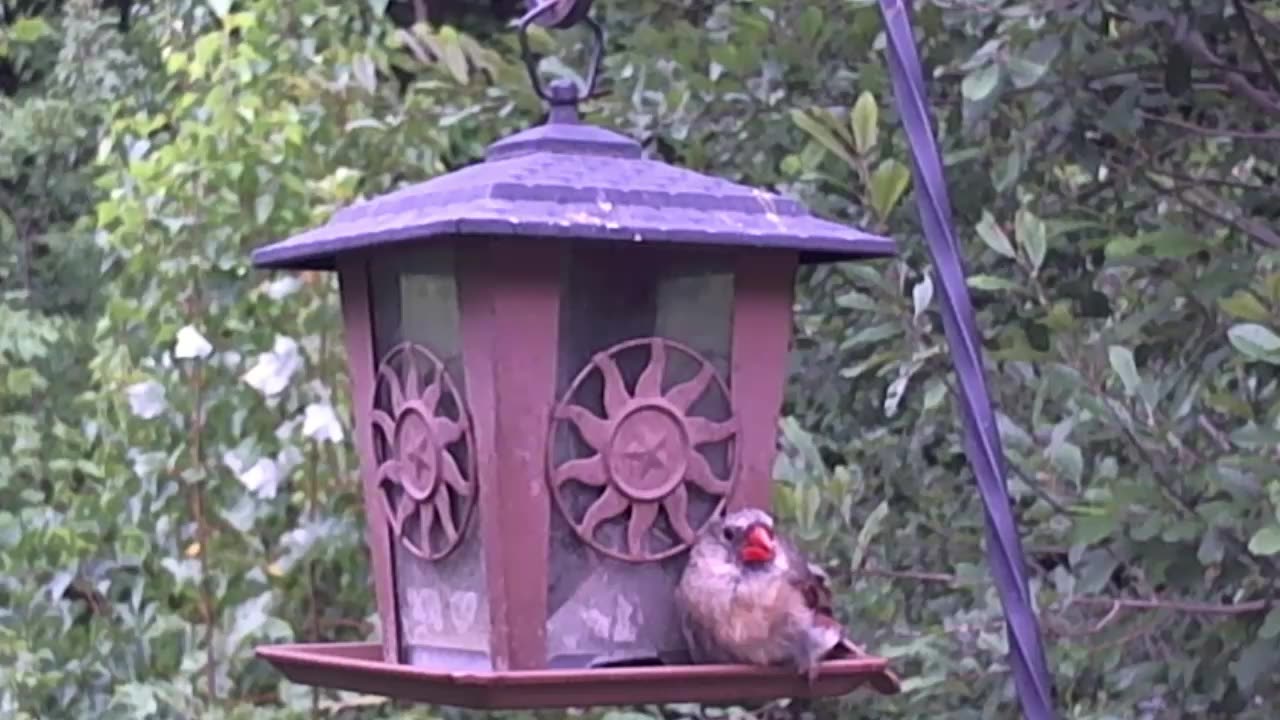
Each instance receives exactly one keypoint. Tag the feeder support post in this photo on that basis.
(982, 437)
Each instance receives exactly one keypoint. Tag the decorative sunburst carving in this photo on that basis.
(645, 450)
(421, 436)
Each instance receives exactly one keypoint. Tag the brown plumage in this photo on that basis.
(750, 596)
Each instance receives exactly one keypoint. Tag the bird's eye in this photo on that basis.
(729, 533)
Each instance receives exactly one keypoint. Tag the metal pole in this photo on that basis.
(982, 438)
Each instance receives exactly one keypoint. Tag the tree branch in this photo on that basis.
(1208, 131)
(1194, 43)
(1267, 68)
(1268, 25)
(1190, 607)
(1234, 217)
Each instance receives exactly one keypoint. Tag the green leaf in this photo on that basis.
(869, 530)
(1256, 662)
(864, 121)
(1174, 243)
(1211, 548)
(1068, 459)
(1031, 235)
(991, 233)
(980, 83)
(896, 391)
(991, 283)
(811, 22)
(1024, 72)
(935, 392)
(1244, 305)
(1123, 247)
(262, 207)
(872, 334)
(1266, 541)
(1089, 529)
(1095, 571)
(450, 50)
(24, 381)
(855, 300)
(29, 29)
(888, 183)
(922, 682)
(1255, 342)
(135, 699)
(823, 133)
(1270, 626)
(1123, 365)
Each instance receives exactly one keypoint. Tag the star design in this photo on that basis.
(649, 450)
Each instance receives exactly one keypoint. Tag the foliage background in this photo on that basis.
(179, 487)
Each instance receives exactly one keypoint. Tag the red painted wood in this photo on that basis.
(355, 667)
(510, 295)
(479, 349)
(357, 317)
(764, 288)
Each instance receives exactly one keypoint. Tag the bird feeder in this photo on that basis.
(565, 360)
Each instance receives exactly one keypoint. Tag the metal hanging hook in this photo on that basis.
(561, 14)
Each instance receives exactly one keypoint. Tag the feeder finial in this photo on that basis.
(561, 14)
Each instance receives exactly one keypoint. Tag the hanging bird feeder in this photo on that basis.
(565, 360)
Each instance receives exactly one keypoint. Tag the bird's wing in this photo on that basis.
(813, 583)
(808, 578)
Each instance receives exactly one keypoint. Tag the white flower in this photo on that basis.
(283, 287)
(146, 399)
(321, 423)
(191, 344)
(262, 479)
(287, 459)
(272, 371)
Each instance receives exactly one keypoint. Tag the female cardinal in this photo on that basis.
(749, 596)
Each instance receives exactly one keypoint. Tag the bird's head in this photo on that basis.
(747, 537)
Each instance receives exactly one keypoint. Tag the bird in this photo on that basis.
(748, 595)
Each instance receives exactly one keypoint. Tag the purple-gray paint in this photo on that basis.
(568, 181)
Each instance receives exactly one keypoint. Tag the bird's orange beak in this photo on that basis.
(759, 546)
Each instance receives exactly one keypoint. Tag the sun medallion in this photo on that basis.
(645, 452)
(426, 457)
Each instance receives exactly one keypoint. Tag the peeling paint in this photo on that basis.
(596, 621)
(579, 216)
(426, 611)
(625, 629)
(462, 609)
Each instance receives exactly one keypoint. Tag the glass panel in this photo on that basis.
(642, 332)
(426, 461)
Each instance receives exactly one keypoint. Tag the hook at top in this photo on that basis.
(561, 14)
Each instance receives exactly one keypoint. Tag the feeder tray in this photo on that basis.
(359, 667)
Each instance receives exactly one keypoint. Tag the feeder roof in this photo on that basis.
(579, 182)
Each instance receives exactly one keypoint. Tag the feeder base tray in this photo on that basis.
(358, 667)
